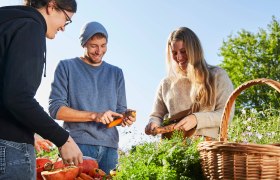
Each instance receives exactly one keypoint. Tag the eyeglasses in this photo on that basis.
(68, 19)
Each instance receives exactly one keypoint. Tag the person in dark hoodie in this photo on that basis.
(23, 32)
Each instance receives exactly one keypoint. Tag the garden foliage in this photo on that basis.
(251, 126)
(167, 159)
(248, 56)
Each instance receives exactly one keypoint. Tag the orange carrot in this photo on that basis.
(86, 177)
(119, 120)
(115, 123)
(79, 178)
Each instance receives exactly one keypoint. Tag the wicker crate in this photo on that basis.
(226, 160)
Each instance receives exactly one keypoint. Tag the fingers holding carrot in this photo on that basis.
(113, 119)
(107, 117)
(129, 120)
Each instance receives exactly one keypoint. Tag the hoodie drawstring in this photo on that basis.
(45, 64)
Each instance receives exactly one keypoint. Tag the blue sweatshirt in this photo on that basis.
(81, 86)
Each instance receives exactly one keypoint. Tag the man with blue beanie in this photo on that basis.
(87, 93)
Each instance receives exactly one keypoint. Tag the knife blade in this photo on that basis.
(176, 117)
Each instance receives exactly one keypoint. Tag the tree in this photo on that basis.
(249, 56)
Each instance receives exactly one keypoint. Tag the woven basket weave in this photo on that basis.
(225, 160)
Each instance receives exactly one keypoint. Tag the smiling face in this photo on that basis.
(95, 48)
(56, 19)
(56, 22)
(179, 54)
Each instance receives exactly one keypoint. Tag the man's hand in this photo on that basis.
(129, 120)
(107, 117)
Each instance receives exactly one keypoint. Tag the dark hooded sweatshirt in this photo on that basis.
(22, 58)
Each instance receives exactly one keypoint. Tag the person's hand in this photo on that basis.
(107, 117)
(150, 128)
(70, 152)
(41, 144)
(187, 123)
(128, 121)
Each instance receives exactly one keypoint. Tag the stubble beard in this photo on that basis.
(91, 61)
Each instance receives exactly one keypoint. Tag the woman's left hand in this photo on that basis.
(41, 144)
(187, 123)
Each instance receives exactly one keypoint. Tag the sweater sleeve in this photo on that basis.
(159, 107)
(23, 73)
(59, 90)
(121, 94)
(223, 90)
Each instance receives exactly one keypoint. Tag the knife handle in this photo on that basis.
(170, 128)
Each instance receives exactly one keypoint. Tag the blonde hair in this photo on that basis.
(198, 71)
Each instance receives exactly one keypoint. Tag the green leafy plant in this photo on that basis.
(177, 158)
(52, 154)
(261, 127)
(166, 122)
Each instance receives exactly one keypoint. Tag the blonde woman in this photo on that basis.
(191, 84)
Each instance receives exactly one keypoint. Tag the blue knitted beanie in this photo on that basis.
(90, 29)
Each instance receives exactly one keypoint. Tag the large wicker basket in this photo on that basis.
(225, 160)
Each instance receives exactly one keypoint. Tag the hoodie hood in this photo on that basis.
(9, 13)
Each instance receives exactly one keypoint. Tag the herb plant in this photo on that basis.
(177, 158)
(52, 154)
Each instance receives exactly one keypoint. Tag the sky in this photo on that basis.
(138, 31)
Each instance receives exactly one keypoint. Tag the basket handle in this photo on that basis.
(233, 96)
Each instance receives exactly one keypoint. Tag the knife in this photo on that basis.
(176, 117)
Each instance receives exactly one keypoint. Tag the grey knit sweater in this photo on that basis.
(83, 87)
(173, 96)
